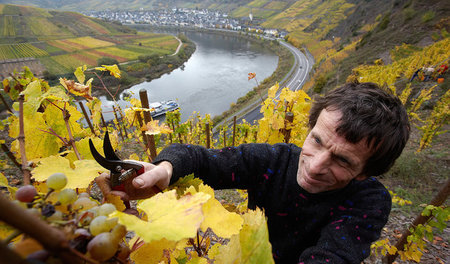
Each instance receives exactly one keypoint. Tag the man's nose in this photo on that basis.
(320, 163)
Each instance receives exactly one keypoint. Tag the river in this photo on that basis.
(215, 76)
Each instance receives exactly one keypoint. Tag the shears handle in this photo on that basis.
(121, 186)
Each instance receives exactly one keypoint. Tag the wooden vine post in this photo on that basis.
(438, 200)
(224, 137)
(103, 120)
(208, 142)
(288, 119)
(148, 118)
(88, 120)
(25, 169)
(234, 131)
(139, 119)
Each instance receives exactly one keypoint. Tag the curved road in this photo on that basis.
(295, 79)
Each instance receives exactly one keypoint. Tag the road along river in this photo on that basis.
(215, 76)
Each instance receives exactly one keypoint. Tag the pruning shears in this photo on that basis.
(120, 170)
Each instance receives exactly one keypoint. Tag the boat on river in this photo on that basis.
(161, 108)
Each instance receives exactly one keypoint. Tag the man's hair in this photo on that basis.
(370, 113)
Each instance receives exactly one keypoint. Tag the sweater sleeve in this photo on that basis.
(352, 227)
(231, 167)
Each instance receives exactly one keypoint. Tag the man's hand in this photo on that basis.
(143, 186)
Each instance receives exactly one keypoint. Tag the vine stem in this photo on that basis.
(104, 87)
(51, 238)
(438, 200)
(66, 116)
(21, 138)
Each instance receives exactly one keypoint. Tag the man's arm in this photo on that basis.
(231, 167)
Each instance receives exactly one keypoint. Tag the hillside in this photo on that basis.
(55, 42)
(27, 24)
(89, 5)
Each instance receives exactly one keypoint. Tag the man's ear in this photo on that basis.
(361, 177)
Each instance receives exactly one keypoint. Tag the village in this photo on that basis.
(184, 17)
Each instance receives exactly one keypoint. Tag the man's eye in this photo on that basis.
(343, 160)
(317, 140)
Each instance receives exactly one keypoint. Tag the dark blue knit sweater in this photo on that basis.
(332, 227)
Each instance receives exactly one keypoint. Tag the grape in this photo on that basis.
(123, 252)
(82, 232)
(85, 218)
(26, 193)
(118, 232)
(52, 197)
(98, 225)
(34, 211)
(41, 255)
(83, 203)
(106, 209)
(56, 216)
(102, 247)
(67, 196)
(84, 194)
(57, 181)
(102, 224)
(48, 210)
(95, 211)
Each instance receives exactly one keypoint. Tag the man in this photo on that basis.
(321, 202)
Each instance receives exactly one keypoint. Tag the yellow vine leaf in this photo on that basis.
(254, 238)
(288, 95)
(277, 122)
(6, 230)
(251, 245)
(152, 253)
(168, 217)
(55, 120)
(84, 150)
(113, 70)
(79, 73)
(33, 97)
(229, 253)
(79, 89)
(153, 128)
(186, 182)
(84, 173)
(95, 105)
(220, 220)
(273, 91)
(196, 260)
(4, 183)
(116, 201)
(38, 144)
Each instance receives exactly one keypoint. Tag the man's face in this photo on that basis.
(328, 161)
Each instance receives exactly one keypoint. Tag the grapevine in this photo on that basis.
(93, 231)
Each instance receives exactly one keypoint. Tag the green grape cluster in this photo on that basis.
(89, 229)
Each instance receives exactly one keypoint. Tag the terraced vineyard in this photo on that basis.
(63, 41)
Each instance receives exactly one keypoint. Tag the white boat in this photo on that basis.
(160, 108)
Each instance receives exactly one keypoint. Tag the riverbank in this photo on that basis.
(146, 68)
(285, 63)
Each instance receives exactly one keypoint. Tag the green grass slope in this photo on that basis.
(27, 24)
